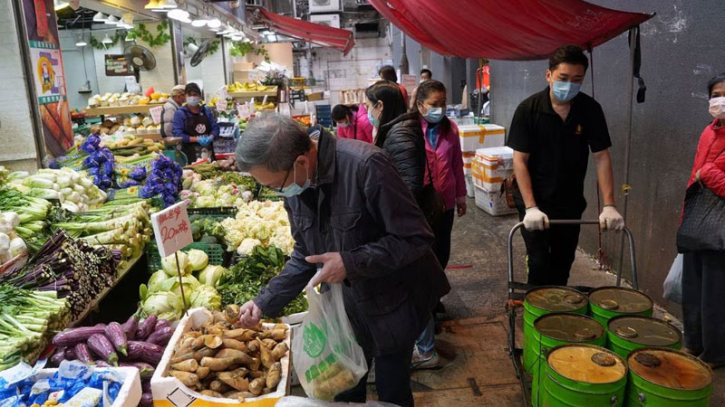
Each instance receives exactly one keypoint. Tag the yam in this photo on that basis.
(240, 334)
(235, 379)
(198, 342)
(274, 375)
(188, 379)
(203, 353)
(189, 365)
(279, 334)
(279, 351)
(254, 346)
(217, 364)
(218, 386)
(239, 357)
(256, 386)
(202, 372)
(235, 344)
(269, 343)
(182, 355)
(266, 356)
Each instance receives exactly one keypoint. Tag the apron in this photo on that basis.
(197, 125)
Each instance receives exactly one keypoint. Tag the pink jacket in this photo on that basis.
(712, 167)
(446, 163)
(360, 127)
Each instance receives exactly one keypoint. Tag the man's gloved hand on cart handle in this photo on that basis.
(610, 219)
(535, 219)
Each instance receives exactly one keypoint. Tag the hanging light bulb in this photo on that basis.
(107, 40)
(214, 23)
(179, 15)
(112, 20)
(198, 23)
(99, 17)
(81, 42)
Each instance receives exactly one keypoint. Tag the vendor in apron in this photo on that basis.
(196, 125)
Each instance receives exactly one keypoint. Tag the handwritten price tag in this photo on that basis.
(156, 114)
(172, 229)
(243, 111)
(221, 105)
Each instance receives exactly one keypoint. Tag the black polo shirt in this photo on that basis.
(559, 150)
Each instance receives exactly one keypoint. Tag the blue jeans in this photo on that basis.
(426, 341)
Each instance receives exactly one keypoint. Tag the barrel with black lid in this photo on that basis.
(627, 333)
(556, 329)
(546, 300)
(609, 302)
(583, 376)
(667, 378)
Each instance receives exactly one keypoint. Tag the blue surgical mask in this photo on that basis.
(375, 122)
(193, 100)
(434, 115)
(293, 189)
(565, 91)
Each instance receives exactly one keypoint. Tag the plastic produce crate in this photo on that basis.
(217, 212)
(213, 250)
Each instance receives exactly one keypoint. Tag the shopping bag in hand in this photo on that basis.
(326, 355)
(673, 283)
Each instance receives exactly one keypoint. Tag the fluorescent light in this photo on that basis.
(198, 23)
(214, 23)
(99, 17)
(112, 20)
(60, 4)
(107, 40)
(179, 14)
(81, 42)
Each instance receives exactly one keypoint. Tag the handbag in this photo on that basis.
(703, 220)
(432, 203)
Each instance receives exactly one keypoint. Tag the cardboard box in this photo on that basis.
(493, 203)
(491, 166)
(170, 392)
(130, 393)
(474, 137)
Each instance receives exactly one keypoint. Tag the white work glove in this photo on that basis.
(535, 219)
(610, 219)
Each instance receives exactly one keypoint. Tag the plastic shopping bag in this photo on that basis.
(327, 357)
(673, 283)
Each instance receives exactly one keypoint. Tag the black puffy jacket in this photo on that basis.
(404, 142)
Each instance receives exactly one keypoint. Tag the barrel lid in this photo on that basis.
(645, 331)
(556, 299)
(620, 299)
(569, 327)
(587, 364)
(670, 368)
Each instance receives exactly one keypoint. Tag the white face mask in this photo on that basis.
(717, 107)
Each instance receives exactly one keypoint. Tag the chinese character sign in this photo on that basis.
(172, 229)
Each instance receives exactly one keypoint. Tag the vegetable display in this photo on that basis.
(266, 222)
(99, 163)
(75, 190)
(32, 214)
(243, 281)
(221, 360)
(206, 230)
(164, 180)
(214, 194)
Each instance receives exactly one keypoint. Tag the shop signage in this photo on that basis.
(117, 65)
(172, 229)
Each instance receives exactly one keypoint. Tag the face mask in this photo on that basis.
(343, 125)
(565, 91)
(434, 115)
(293, 189)
(193, 100)
(375, 122)
(717, 107)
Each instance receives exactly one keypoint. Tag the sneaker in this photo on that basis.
(424, 362)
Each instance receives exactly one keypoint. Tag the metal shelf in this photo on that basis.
(118, 110)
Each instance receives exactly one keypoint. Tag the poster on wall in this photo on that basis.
(117, 65)
(47, 72)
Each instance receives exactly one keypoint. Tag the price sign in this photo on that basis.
(172, 229)
(243, 111)
(156, 114)
(221, 105)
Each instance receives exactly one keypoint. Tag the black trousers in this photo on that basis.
(392, 380)
(703, 308)
(442, 243)
(551, 252)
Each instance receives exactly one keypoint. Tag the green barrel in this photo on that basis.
(609, 302)
(584, 376)
(664, 377)
(545, 300)
(627, 333)
(556, 329)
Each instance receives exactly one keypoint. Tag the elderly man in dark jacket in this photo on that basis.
(352, 217)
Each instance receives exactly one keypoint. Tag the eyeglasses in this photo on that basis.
(281, 187)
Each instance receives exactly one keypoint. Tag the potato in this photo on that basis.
(189, 365)
(274, 375)
(236, 379)
(235, 344)
(188, 379)
(279, 351)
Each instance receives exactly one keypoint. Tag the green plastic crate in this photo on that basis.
(214, 251)
(215, 213)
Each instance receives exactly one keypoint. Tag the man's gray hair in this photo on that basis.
(273, 141)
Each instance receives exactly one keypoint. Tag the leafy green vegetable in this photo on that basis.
(168, 264)
(211, 275)
(207, 297)
(197, 259)
(244, 280)
(164, 304)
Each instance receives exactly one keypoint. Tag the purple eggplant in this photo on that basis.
(129, 327)
(147, 352)
(146, 327)
(145, 369)
(161, 323)
(83, 354)
(161, 336)
(147, 400)
(146, 385)
(114, 332)
(101, 346)
(70, 354)
(70, 337)
(102, 363)
(58, 357)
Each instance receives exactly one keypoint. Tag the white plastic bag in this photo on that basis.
(326, 355)
(673, 283)
(293, 401)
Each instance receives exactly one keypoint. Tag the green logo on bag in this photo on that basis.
(314, 340)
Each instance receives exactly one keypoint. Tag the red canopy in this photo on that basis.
(339, 39)
(511, 29)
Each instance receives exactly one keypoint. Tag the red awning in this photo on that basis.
(339, 39)
(511, 29)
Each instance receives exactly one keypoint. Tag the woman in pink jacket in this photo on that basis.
(703, 271)
(445, 161)
(352, 122)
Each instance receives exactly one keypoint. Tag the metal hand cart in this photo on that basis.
(517, 292)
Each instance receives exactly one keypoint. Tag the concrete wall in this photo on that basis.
(16, 129)
(73, 60)
(681, 50)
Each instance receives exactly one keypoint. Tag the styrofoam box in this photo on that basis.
(491, 166)
(469, 186)
(493, 203)
(468, 162)
(170, 392)
(130, 393)
(474, 137)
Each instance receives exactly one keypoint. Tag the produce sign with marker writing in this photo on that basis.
(172, 229)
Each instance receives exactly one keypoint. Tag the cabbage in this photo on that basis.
(207, 297)
(247, 245)
(156, 279)
(210, 275)
(169, 264)
(197, 259)
(172, 285)
(164, 304)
